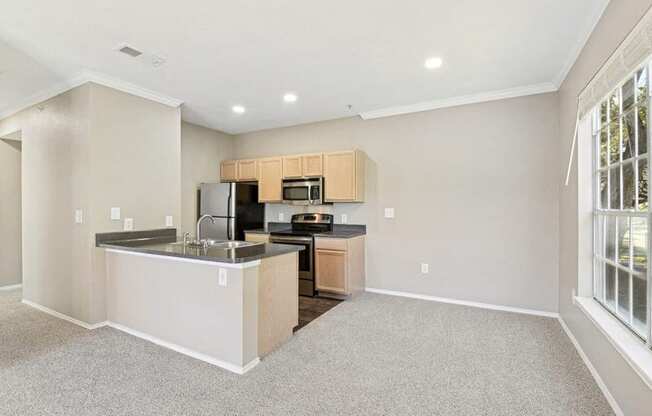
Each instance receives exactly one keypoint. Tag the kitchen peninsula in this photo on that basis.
(228, 303)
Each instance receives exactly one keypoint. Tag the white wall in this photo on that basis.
(475, 192)
(202, 150)
(634, 397)
(91, 148)
(11, 268)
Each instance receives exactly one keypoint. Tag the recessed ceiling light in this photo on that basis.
(238, 109)
(433, 63)
(290, 97)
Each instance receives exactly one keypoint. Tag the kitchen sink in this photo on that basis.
(218, 244)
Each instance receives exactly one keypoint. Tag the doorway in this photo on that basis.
(11, 268)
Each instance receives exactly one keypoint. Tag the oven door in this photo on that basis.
(306, 261)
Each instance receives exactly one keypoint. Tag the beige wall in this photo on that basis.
(202, 150)
(474, 189)
(634, 397)
(91, 148)
(10, 215)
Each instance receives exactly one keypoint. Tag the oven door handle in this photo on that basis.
(293, 240)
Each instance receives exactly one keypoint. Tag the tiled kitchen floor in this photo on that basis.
(312, 308)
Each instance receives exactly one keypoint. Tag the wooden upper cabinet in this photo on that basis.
(247, 170)
(344, 176)
(312, 165)
(228, 171)
(292, 167)
(270, 179)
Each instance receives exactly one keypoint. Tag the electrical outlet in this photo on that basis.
(345, 218)
(222, 281)
(115, 214)
(129, 224)
(169, 222)
(425, 268)
(389, 212)
(281, 217)
(79, 216)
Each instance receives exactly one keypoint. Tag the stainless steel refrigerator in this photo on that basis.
(233, 206)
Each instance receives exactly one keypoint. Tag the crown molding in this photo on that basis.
(579, 45)
(82, 78)
(461, 100)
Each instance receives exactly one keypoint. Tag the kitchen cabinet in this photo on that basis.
(228, 171)
(270, 179)
(344, 176)
(302, 166)
(256, 237)
(340, 265)
(247, 170)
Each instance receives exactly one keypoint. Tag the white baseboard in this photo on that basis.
(463, 302)
(183, 350)
(10, 287)
(63, 316)
(603, 387)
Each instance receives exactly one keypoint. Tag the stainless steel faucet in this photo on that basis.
(199, 221)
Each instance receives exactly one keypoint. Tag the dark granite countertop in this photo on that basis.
(166, 243)
(339, 230)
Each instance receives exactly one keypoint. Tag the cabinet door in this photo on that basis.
(256, 238)
(247, 170)
(330, 271)
(292, 167)
(270, 179)
(340, 176)
(228, 171)
(312, 165)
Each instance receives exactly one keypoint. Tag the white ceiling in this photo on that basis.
(366, 53)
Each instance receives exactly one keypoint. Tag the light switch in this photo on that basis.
(115, 214)
(129, 224)
(425, 268)
(79, 216)
(222, 278)
(169, 222)
(281, 217)
(345, 218)
(389, 212)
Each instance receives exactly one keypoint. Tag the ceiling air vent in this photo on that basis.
(128, 50)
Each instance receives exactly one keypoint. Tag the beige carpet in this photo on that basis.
(377, 355)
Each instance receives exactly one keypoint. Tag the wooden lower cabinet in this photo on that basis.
(256, 237)
(340, 265)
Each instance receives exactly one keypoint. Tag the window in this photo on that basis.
(621, 210)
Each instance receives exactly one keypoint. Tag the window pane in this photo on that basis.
(623, 241)
(642, 130)
(642, 86)
(599, 236)
(614, 188)
(610, 286)
(603, 147)
(614, 142)
(598, 283)
(610, 243)
(623, 295)
(629, 186)
(639, 283)
(628, 94)
(603, 112)
(642, 185)
(614, 105)
(639, 242)
(604, 196)
(629, 135)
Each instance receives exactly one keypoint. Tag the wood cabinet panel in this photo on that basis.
(256, 238)
(292, 167)
(248, 170)
(344, 176)
(312, 165)
(331, 270)
(228, 171)
(270, 179)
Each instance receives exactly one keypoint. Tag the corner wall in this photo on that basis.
(11, 268)
(633, 396)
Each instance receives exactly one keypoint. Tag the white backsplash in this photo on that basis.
(272, 212)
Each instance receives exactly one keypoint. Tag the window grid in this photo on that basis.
(620, 226)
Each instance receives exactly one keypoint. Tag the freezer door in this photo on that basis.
(217, 231)
(215, 199)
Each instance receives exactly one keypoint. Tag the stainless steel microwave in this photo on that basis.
(308, 191)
